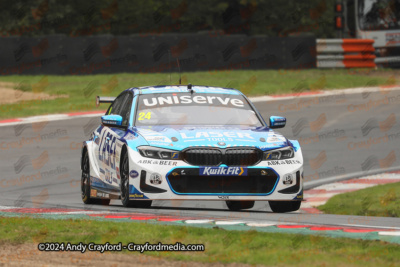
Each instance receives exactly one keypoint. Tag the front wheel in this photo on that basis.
(125, 187)
(85, 184)
(239, 205)
(284, 206)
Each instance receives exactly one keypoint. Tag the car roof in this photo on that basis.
(182, 88)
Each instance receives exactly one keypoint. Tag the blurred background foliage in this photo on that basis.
(151, 17)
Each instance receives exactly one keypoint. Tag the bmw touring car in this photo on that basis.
(190, 143)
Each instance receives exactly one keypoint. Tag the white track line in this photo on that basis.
(254, 224)
(55, 117)
(370, 226)
(324, 93)
(390, 233)
(198, 221)
(228, 222)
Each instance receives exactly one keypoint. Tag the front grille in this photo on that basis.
(203, 157)
(242, 156)
(188, 181)
(228, 156)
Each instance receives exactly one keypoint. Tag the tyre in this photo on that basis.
(239, 205)
(85, 184)
(284, 206)
(125, 187)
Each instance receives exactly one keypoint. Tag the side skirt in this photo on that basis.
(102, 193)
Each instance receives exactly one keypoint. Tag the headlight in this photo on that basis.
(158, 153)
(282, 153)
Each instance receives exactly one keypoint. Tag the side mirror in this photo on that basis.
(111, 120)
(277, 122)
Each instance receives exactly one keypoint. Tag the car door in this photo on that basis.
(108, 143)
(118, 133)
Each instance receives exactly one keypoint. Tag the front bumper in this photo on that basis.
(176, 180)
(253, 181)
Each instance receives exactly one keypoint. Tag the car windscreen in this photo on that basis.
(195, 109)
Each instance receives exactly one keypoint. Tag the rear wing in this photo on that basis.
(104, 99)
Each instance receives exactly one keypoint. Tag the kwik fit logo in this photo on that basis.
(223, 171)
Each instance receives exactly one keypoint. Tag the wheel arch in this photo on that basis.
(83, 151)
(124, 150)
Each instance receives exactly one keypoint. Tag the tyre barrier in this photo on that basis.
(345, 53)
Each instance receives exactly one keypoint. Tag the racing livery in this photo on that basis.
(190, 143)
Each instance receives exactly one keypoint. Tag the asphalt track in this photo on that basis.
(340, 135)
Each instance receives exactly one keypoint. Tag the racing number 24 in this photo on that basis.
(143, 116)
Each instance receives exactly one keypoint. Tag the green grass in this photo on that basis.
(251, 247)
(381, 200)
(83, 89)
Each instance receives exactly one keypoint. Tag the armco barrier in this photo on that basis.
(59, 54)
(345, 53)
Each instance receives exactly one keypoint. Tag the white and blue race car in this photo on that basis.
(190, 143)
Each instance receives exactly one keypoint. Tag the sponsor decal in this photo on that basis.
(183, 172)
(223, 197)
(149, 132)
(274, 139)
(299, 195)
(153, 143)
(223, 171)
(155, 178)
(133, 174)
(283, 162)
(288, 179)
(272, 145)
(130, 136)
(393, 37)
(99, 194)
(108, 176)
(144, 116)
(136, 196)
(93, 193)
(105, 150)
(158, 162)
(207, 134)
(158, 139)
(268, 156)
(189, 99)
(175, 155)
(279, 119)
(110, 122)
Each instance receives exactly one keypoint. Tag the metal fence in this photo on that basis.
(61, 54)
